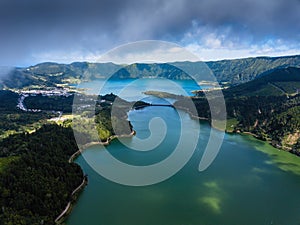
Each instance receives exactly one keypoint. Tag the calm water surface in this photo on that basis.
(242, 186)
(132, 89)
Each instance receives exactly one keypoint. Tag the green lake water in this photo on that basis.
(249, 182)
(243, 186)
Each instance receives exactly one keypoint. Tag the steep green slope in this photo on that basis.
(272, 118)
(240, 70)
(277, 82)
(243, 70)
(233, 71)
(268, 107)
(155, 70)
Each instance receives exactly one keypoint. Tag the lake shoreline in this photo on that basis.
(235, 132)
(254, 164)
(75, 194)
(68, 210)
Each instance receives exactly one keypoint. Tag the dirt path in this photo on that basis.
(278, 88)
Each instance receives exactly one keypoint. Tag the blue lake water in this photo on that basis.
(243, 186)
(132, 89)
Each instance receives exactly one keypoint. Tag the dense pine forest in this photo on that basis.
(36, 179)
(36, 185)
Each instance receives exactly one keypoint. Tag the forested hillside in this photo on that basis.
(37, 184)
(36, 179)
(268, 107)
(278, 82)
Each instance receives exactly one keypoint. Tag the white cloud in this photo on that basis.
(213, 54)
(142, 51)
(65, 57)
(222, 43)
(212, 41)
(200, 43)
(148, 51)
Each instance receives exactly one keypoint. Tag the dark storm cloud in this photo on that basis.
(34, 26)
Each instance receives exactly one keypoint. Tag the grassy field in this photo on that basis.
(230, 124)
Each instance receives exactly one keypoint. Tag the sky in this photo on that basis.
(34, 31)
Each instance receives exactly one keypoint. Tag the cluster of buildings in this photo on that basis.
(51, 92)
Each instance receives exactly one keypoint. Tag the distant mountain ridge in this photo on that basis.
(155, 70)
(232, 71)
(282, 81)
(243, 70)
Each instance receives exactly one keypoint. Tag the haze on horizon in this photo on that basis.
(65, 31)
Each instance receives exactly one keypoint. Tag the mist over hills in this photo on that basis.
(235, 71)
